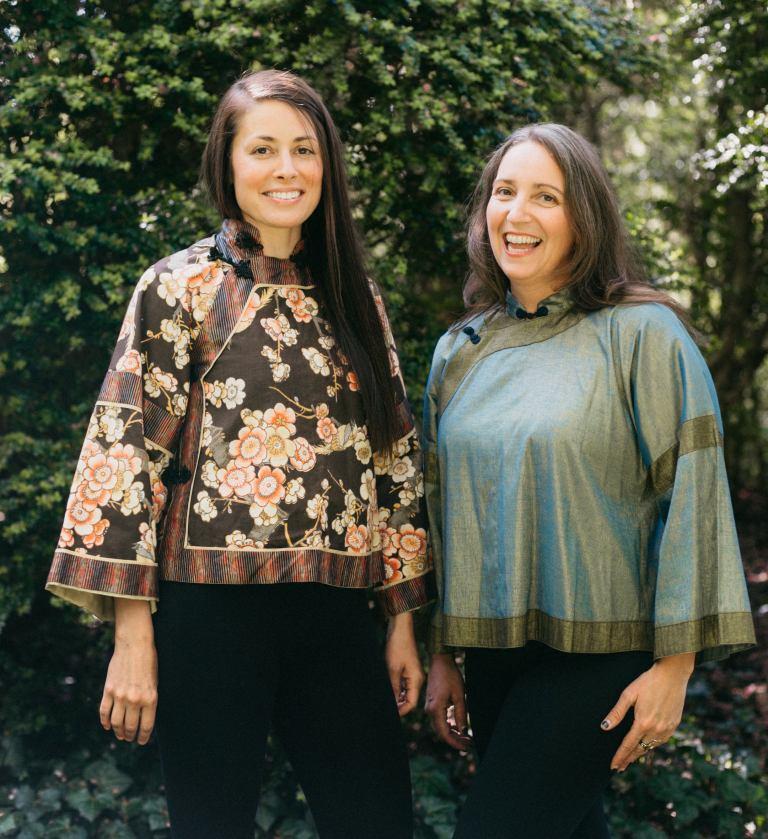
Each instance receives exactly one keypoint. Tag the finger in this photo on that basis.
(438, 715)
(460, 713)
(131, 721)
(105, 711)
(147, 723)
(409, 695)
(117, 718)
(618, 712)
(628, 745)
(395, 674)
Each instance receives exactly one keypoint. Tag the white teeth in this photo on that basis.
(285, 196)
(520, 240)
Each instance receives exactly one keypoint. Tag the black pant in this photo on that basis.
(535, 714)
(303, 657)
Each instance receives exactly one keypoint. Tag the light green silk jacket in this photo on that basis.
(576, 486)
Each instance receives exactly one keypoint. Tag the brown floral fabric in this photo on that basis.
(229, 444)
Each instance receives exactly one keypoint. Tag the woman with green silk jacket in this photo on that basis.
(580, 517)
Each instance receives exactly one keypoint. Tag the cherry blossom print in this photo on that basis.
(209, 472)
(326, 428)
(279, 329)
(281, 417)
(95, 536)
(304, 457)
(101, 476)
(269, 487)
(129, 362)
(170, 288)
(368, 486)
(280, 447)
(402, 469)
(318, 362)
(236, 480)
(159, 498)
(392, 569)
(111, 425)
(317, 509)
(133, 499)
(202, 282)
(410, 542)
(156, 381)
(145, 547)
(87, 522)
(256, 302)
(356, 538)
(66, 539)
(388, 546)
(205, 506)
(249, 448)
(238, 539)
(294, 491)
(230, 392)
(321, 410)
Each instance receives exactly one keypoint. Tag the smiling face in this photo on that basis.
(277, 171)
(528, 228)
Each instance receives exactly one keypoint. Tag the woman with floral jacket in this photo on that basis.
(250, 469)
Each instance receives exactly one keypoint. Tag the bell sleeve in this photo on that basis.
(409, 580)
(109, 537)
(700, 601)
(432, 493)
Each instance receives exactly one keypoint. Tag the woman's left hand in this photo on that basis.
(657, 696)
(402, 657)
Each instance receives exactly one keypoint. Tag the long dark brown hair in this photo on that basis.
(332, 244)
(602, 268)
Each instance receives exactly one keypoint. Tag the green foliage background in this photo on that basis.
(103, 118)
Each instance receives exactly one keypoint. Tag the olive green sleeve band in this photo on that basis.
(697, 433)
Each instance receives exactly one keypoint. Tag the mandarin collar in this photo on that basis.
(555, 305)
(239, 243)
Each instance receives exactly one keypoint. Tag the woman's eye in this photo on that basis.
(261, 150)
(548, 199)
(504, 191)
(305, 150)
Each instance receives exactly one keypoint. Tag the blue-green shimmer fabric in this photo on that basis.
(576, 486)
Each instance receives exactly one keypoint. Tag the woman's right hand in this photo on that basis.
(129, 702)
(445, 703)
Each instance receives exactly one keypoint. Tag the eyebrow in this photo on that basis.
(273, 140)
(508, 181)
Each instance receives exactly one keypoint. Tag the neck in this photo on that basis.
(278, 242)
(530, 294)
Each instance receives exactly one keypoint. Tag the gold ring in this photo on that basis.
(646, 746)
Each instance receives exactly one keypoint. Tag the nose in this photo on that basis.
(286, 167)
(517, 209)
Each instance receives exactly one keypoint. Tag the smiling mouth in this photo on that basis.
(285, 195)
(518, 245)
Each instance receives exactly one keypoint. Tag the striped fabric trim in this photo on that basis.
(159, 426)
(121, 386)
(89, 573)
(697, 433)
(222, 317)
(195, 565)
(406, 596)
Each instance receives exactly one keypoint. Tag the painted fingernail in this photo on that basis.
(605, 724)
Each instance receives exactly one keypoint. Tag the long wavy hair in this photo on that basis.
(602, 269)
(332, 243)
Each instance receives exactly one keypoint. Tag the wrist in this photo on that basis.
(682, 664)
(402, 622)
(133, 622)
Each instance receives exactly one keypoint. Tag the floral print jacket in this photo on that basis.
(229, 445)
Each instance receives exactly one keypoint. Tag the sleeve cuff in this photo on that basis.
(93, 582)
(406, 596)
